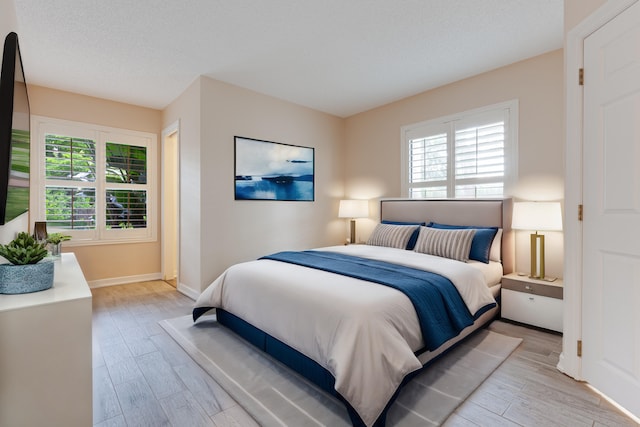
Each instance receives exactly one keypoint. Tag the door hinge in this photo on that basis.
(579, 212)
(581, 77)
(579, 348)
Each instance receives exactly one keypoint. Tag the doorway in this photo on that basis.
(170, 204)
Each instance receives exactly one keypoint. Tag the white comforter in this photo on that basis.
(365, 334)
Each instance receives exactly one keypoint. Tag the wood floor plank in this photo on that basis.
(489, 401)
(505, 390)
(182, 410)
(118, 421)
(96, 352)
(535, 413)
(159, 375)
(115, 350)
(124, 371)
(105, 401)
(104, 328)
(134, 394)
(559, 394)
(207, 392)
(482, 417)
(123, 318)
(151, 415)
(456, 420)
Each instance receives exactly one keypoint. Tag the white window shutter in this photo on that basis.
(464, 156)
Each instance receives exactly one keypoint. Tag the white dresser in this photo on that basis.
(45, 353)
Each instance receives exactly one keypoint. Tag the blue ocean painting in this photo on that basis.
(267, 170)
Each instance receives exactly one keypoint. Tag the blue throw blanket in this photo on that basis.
(441, 311)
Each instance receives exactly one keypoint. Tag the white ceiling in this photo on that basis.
(337, 56)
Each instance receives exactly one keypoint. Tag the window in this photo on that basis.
(468, 155)
(97, 182)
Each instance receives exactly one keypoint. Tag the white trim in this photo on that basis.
(100, 283)
(100, 134)
(569, 362)
(186, 290)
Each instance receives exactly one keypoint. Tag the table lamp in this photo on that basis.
(537, 216)
(353, 209)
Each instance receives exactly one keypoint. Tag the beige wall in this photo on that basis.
(103, 261)
(229, 231)
(374, 150)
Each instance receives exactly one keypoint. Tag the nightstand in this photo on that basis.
(531, 301)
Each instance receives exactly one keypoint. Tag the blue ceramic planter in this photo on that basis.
(22, 279)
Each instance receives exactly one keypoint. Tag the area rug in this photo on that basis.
(276, 396)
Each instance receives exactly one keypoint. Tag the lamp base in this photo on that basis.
(537, 256)
(352, 238)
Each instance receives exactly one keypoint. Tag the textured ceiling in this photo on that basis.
(337, 56)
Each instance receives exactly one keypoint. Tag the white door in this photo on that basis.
(611, 240)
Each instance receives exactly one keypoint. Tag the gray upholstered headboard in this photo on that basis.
(481, 212)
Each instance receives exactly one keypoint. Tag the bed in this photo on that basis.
(325, 314)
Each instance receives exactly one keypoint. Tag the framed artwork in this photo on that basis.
(266, 170)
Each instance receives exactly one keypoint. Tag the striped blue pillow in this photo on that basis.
(414, 237)
(482, 240)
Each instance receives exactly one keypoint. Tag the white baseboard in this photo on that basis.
(124, 280)
(182, 288)
(191, 293)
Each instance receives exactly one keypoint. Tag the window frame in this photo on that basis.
(446, 124)
(101, 135)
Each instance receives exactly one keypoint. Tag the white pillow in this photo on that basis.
(447, 243)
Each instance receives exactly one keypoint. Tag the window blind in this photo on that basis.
(479, 152)
(68, 158)
(70, 165)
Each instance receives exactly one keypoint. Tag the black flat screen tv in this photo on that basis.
(14, 134)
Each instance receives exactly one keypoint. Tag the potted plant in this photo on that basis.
(25, 273)
(55, 240)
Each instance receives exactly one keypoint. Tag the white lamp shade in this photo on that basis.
(538, 216)
(353, 209)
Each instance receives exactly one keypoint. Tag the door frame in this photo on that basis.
(173, 128)
(570, 363)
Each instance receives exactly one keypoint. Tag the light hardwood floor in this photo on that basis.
(143, 378)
